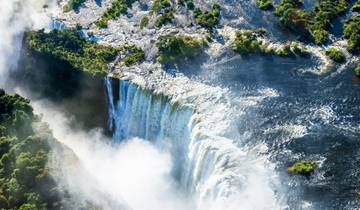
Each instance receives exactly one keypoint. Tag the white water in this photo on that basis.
(190, 152)
(211, 169)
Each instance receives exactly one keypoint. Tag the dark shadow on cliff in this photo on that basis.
(76, 93)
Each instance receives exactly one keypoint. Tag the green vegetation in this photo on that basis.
(133, 55)
(356, 6)
(303, 167)
(73, 5)
(292, 16)
(188, 3)
(335, 55)
(69, 46)
(357, 70)
(117, 8)
(247, 42)
(313, 25)
(160, 5)
(165, 18)
(144, 22)
(352, 33)
(208, 19)
(265, 4)
(174, 49)
(324, 12)
(165, 11)
(25, 179)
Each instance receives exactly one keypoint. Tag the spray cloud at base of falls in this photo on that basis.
(212, 168)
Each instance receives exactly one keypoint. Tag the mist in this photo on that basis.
(16, 17)
(132, 175)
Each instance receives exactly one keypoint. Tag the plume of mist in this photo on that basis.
(133, 175)
(15, 17)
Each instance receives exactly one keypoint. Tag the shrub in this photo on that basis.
(144, 22)
(190, 4)
(335, 55)
(173, 49)
(325, 11)
(133, 55)
(165, 11)
(314, 25)
(265, 4)
(159, 5)
(73, 5)
(208, 19)
(246, 42)
(352, 33)
(292, 16)
(165, 18)
(356, 6)
(117, 8)
(357, 70)
(303, 167)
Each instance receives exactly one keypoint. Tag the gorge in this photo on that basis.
(175, 116)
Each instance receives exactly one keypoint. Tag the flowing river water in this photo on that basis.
(219, 135)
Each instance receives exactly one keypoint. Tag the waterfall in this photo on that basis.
(139, 113)
(207, 167)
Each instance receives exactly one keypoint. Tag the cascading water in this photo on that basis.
(206, 166)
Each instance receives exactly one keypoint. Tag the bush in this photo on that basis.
(160, 5)
(144, 22)
(173, 49)
(356, 6)
(133, 55)
(352, 33)
(69, 46)
(325, 12)
(164, 19)
(246, 42)
(265, 4)
(303, 167)
(292, 16)
(335, 55)
(73, 5)
(165, 10)
(314, 25)
(190, 4)
(208, 19)
(117, 8)
(357, 70)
